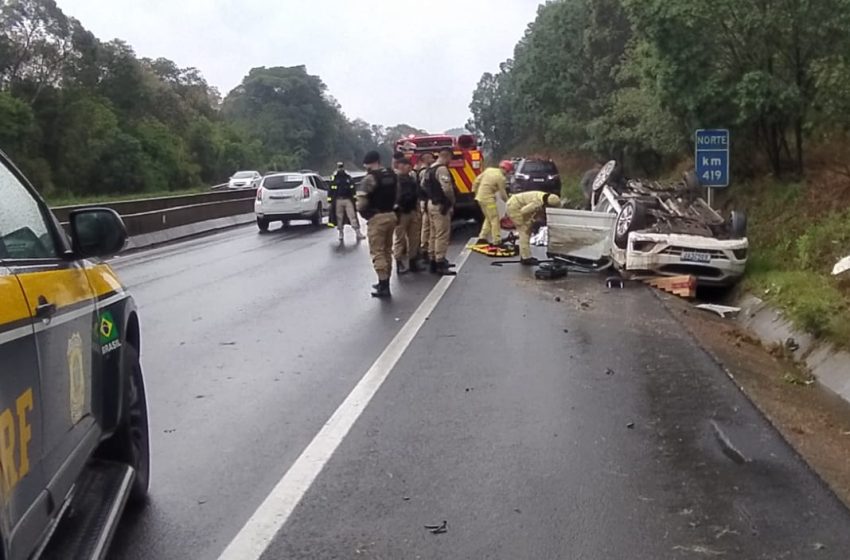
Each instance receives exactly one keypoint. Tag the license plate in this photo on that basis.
(696, 256)
(539, 180)
(280, 197)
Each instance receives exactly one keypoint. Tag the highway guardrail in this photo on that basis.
(155, 214)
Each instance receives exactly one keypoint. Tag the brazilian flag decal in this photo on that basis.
(107, 328)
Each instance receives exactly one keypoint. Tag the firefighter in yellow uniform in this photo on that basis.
(489, 186)
(426, 160)
(441, 194)
(523, 209)
(377, 204)
(409, 228)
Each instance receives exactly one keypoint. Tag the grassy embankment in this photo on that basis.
(797, 233)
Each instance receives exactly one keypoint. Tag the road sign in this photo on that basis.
(712, 157)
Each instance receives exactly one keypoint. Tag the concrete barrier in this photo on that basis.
(148, 222)
(129, 207)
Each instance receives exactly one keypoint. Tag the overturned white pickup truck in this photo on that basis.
(651, 228)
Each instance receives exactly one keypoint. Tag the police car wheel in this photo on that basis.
(130, 444)
(263, 225)
(316, 219)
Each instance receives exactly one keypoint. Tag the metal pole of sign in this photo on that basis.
(710, 196)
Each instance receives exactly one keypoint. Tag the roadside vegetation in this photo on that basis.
(87, 118)
(632, 79)
(797, 233)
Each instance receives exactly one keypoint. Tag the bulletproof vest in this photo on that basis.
(383, 197)
(423, 191)
(344, 186)
(408, 193)
(436, 194)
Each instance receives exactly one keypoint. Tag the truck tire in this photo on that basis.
(631, 218)
(130, 444)
(738, 225)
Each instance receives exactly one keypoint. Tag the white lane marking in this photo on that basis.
(256, 535)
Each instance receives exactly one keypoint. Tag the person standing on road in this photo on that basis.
(441, 194)
(524, 209)
(377, 204)
(426, 160)
(409, 228)
(587, 184)
(342, 201)
(490, 185)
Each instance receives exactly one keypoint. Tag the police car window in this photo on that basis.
(24, 233)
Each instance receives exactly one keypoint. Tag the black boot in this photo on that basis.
(444, 268)
(432, 265)
(414, 265)
(383, 290)
(402, 267)
(530, 261)
(482, 241)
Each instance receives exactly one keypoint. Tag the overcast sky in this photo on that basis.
(386, 62)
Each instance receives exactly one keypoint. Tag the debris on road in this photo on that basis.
(227, 344)
(609, 371)
(794, 380)
(614, 282)
(727, 446)
(841, 266)
(722, 310)
(630, 425)
(699, 549)
(791, 344)
(438, 529)
(550, 271)
(682, 286)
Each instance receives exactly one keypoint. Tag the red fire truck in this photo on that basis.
(466, 164)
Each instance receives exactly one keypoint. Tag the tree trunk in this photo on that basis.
(798, 138)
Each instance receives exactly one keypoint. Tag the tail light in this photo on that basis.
(306, 192)
(260, 193)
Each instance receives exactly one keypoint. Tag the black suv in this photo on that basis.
(536, 175)
(73, 416)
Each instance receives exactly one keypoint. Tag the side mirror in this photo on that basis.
(97, 232)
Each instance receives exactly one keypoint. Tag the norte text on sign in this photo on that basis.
(712, 157)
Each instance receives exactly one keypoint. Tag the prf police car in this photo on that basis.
(73, 416)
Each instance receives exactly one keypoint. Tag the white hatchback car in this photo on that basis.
(244, 180)
(282, 197)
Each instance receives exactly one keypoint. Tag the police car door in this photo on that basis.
(61, 301)
(23, 498)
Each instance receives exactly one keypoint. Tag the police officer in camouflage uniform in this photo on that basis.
(441, 193)
(423, 163)
(376, 202)
(409, 228)
(342, 202)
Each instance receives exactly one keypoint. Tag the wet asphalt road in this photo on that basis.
(583, 428)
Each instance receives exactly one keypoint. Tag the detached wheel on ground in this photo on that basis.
(263, 225)
(632, 218)
(130, 444)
